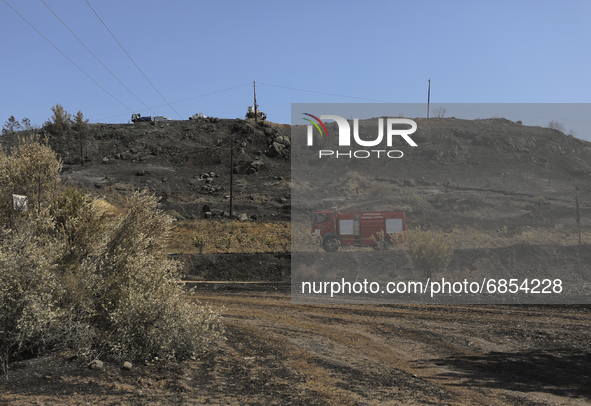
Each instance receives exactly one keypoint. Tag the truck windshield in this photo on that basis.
(320, 218)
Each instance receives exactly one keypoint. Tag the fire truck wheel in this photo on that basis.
(331, 244)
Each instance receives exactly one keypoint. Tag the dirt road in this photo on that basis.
(278, 353)
(402, 354)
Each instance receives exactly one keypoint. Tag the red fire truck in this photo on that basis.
(377, 229)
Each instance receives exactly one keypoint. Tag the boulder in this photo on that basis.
(256, 166)
(96, 364)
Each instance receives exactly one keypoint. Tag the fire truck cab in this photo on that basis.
(376, 229)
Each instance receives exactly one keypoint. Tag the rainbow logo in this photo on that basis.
(316, 125)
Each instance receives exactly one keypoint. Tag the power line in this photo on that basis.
(65, 56)
(96, 57)
(95, 13)
(328, 94)
(181, 101)
(209, 94)
(415, 104)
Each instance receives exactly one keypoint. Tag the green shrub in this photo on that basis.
(270, 241)
(430, 251)
(223, 241)
(139, 310)
(241, 239)
(31, 169)
(379, 240)
(74, 274)
(69, 204)
(30, 315)
(199, 241)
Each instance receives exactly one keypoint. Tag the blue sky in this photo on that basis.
(381, 51)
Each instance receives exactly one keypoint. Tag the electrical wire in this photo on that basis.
(65, 56)
(415, 104)
(328, 94)
(96, 57)
(182, 101)
(95, 13)
(209, 94)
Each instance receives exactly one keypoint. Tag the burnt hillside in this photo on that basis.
(492, 170)
(185, 163)
(485, 173)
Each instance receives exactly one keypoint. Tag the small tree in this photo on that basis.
(26, 124)
(32, 170)
(59, 126)
(572, 133)
(555, 125)
(11, 126)
(439, 112)
(79, 131)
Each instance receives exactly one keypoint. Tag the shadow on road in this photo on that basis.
(560, 373)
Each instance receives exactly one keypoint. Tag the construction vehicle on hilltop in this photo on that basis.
(376, 229)
(251, 113)
(138, 118)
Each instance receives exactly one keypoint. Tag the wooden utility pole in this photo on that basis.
(256, 109)
(231, 173)
(578, 217)
(428, 98)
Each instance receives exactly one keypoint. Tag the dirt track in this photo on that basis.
(285, 354)
(405, 354)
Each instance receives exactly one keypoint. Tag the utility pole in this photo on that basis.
(578, 216)
(428, 98)
(231, 173)
(256, 110)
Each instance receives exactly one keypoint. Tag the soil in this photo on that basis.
(285, 354)
(507, 188)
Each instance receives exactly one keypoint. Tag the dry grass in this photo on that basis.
(231, 236)
(285, 236)
(470, 238)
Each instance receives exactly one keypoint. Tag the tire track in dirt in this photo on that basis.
(405, 347)
(360, 345)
